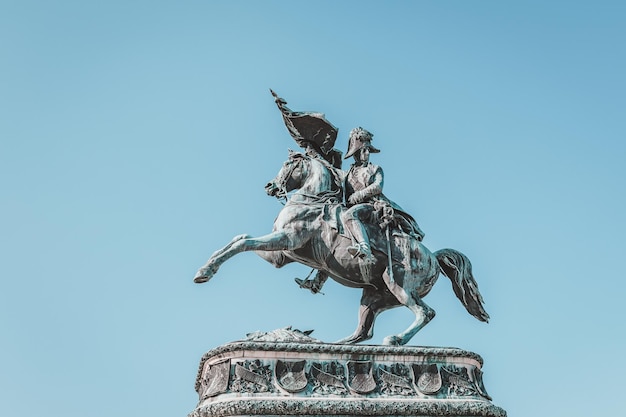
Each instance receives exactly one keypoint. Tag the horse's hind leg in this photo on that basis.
(423, 313)
(373, 302)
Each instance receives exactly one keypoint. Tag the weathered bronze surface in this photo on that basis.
(286, 372)
(341, 224)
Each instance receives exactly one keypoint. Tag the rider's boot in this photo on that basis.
(314, 285)
(361, 248)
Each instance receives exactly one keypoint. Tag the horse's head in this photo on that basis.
(290, 177)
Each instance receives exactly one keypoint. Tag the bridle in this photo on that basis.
(326, 197)
(281, 180)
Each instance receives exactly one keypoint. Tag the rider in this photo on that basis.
(363, 191)
(362, 186)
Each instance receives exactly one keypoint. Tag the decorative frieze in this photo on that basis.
(245, 378)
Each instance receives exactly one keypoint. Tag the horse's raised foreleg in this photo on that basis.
(276, 258)
(225, 248)
(423, 313)
(280, 240)
(373, 302)
(204, 273)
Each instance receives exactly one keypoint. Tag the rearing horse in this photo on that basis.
(308, 231)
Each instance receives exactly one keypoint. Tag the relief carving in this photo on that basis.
(478, 379)
(328, 378)
(395, 380)
(361, 377)
(427, 378)
(215, 379)
(252, 376)
(458, 381)
(290, 375)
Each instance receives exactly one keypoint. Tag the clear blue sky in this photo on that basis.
(136, 137)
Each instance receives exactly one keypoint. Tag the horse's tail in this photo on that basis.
(458, 268)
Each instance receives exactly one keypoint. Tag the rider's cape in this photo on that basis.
(410, 225)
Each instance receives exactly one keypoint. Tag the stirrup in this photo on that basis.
(361, 250)
(309, 284)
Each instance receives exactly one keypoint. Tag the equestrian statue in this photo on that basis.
(343, 226)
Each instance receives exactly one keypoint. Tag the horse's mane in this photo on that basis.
(335, 173)
(336, 176)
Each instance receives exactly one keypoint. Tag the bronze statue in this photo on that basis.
(342, 225)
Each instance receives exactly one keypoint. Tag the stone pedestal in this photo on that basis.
(288, 373)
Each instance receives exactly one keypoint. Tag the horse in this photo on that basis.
(308, 231)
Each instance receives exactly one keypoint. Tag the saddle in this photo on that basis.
(401, 242)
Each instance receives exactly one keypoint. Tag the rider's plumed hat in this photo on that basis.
(360, 138)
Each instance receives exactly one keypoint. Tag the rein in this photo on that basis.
(323, 198)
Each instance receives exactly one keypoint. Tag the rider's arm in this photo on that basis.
(375, 188)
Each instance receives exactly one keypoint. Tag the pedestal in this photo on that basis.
(286, 372)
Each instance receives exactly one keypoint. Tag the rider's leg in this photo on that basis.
(352, 220)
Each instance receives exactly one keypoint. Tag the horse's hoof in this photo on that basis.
(200, 279)
(352, 339)
(203, 275)
(345, 341)
(392, 341)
